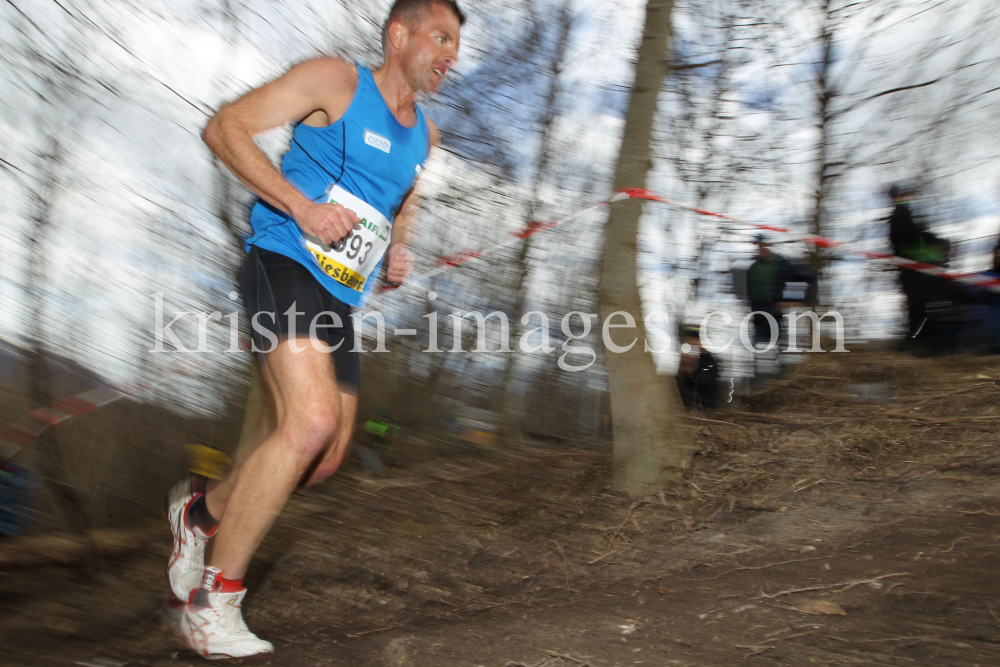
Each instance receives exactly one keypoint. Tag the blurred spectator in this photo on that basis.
(19, 487)
(928, 303)
(767, 281)
(698, 372)
(992, 301)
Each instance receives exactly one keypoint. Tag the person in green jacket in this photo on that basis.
(910, 239)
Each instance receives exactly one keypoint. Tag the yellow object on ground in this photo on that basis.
(483, 438)
(207, 462)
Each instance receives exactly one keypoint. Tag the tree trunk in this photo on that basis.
(824, 169)
(652, 440)
(66, 498)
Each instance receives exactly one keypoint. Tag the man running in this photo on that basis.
(321, 228)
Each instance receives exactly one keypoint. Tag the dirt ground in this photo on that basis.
(846, 515)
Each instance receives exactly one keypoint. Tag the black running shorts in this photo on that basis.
(274, 284)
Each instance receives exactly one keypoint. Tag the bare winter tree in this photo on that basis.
(714, 142)
(564, 23)
(652, 440)
(864, 113)
(51, 63)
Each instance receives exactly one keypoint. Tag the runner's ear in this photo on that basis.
(397, 33)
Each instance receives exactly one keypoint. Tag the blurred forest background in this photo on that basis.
(795, 112)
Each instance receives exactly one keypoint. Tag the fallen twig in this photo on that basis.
(822, 481)
(521, 664)
(796, 636)
(789, 419)
(371, 632)
(759, 567)
(982, 511)
(626, 519)
(565, 569)
(754, 650)
(611, 549)
(716, 421)
(777, 632)
(490, 605)
(965, 464)
(961, 539)
(846, 584)
(820, 425)
(897, 639)
(947, 420)
(564, 657)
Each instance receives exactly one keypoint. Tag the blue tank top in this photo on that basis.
(368, 153)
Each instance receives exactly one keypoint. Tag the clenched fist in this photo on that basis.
(400, 263)
(327, 222)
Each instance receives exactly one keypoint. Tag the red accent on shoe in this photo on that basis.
(223, 585)
(214, 582)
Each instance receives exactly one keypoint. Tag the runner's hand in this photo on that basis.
(329, 222)
(400, 264)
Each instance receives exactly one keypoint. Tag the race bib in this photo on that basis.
(350, 260)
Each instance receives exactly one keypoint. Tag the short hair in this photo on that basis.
(407, 10)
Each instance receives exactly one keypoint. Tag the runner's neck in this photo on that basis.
(399, 95)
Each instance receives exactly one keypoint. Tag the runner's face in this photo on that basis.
(431, 48)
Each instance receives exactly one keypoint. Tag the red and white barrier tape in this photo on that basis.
(977, 279)
(457, 259)
(22, 432)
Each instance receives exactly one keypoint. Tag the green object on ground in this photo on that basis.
(381, 429)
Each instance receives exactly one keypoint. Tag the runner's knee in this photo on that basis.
(337, 449)
(312, 430)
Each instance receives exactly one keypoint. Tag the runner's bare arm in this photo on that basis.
(319, 89)
(400, 258)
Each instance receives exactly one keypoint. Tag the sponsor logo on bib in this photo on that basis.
(377, 141)
(351, 260)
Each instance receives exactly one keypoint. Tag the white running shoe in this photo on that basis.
(212, 626)
(187, 561)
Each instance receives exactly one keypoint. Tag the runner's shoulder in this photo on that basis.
(328, 73)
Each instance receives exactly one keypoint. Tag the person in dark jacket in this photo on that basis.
(698, 372)
(986, 330)
(993, 307)
(767, 280)
(910, 239)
